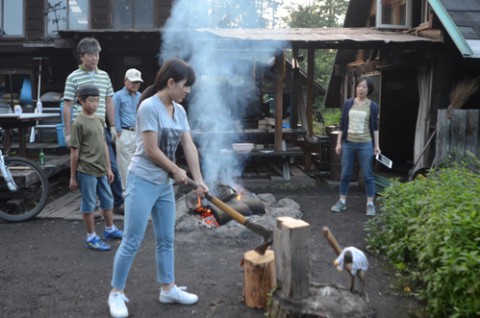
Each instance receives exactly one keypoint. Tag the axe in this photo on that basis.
(348, 258)
(240, 218)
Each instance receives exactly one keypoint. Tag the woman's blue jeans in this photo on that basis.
(142, 200)
(364, 152)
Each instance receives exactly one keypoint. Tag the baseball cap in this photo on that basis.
(134, 75)
(88, 90)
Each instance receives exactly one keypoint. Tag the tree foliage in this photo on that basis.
(243, 13)
(319, 14)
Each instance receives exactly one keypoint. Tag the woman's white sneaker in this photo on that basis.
(116, 303)
(177, 295)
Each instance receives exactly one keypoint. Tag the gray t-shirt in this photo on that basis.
(152, 115)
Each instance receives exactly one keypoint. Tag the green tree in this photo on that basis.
(319, 14)
(243, 13)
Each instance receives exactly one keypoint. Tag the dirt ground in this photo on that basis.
(46, 272)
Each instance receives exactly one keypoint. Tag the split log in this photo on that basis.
(258, 278)
(290, 244)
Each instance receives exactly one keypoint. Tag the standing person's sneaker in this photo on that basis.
(339, 206)
(115, 234)
(371, 209)
(178, 295)
(116, 303)
(97, 244)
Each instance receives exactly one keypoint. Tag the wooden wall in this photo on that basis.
(458, 133)
(99, 14)
(35, 20)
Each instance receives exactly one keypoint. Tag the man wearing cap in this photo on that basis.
(88, 73)
(125, 102)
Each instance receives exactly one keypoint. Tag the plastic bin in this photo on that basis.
(60, 136)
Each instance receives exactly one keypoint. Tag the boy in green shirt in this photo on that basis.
(90, 169)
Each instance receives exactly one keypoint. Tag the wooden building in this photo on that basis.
(46, 32)
(412, 83)
(415, 50)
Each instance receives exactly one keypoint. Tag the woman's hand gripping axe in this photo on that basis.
(240, 218)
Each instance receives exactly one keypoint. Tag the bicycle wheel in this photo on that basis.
(31, 194)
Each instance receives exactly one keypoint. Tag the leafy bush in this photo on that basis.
(430, 230)
(331, 116)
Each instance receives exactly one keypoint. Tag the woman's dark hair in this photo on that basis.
(369, 81)
(173, 68)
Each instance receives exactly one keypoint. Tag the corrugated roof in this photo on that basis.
(324, 38)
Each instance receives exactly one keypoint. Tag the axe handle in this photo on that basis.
(332, 240)
(237, 216)
(240, 218)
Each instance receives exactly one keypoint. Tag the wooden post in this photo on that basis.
(258, 278)
(310, 95)
(290, 244)
(279, 78)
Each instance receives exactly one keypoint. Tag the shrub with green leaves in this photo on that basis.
(430, 230)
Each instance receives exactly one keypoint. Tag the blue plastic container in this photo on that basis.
(60, 136)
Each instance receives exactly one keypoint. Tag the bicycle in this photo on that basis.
(24, 193)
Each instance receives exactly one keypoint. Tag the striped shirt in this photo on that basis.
(81, 77)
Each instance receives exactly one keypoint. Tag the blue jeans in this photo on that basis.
(91, 186)
(364, 152)
(116, 185)
(144, 199)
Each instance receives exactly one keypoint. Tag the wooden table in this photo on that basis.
(285, 157)
(258, 136)
(20, 122)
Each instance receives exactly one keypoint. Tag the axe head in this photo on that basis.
(260, 249)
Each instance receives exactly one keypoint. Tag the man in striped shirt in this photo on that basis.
(88, 50)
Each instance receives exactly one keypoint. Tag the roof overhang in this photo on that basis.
(322, 38)
(317, 38)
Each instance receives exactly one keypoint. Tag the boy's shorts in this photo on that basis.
(91, 187)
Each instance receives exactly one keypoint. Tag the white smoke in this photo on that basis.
(225, 89)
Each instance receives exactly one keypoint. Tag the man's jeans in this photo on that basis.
(116, 185)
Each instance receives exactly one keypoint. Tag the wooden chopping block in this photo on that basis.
(258, 278)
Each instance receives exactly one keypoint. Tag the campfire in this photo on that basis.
(205, 214)
(241, 200)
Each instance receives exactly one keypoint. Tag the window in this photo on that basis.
(132, 14)
(394, 14)
(11, 19)
(425, 11)
(67, 15)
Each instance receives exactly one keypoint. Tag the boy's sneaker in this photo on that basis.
(371, 210)
(97, 244)
(116, 303)
(177, 295)
(339, 206)
(116, 234)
